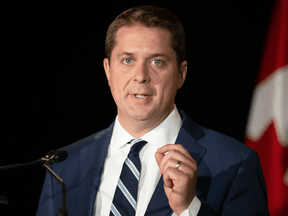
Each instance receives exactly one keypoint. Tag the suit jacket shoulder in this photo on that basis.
(230, 179)
(81, 172)
(93, 138)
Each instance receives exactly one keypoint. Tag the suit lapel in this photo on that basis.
(92, 159)
(188, 136)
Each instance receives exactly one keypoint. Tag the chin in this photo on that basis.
(140, 115)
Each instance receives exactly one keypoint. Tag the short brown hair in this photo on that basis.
(149, 16)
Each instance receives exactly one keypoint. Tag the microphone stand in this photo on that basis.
(51, 157)
(24, 164)
(62, 210)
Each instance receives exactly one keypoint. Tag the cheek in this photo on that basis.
(115, 88)
(117, 84)
(167, 88)
(170, 83)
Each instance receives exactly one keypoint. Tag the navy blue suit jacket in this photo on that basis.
(230, 179)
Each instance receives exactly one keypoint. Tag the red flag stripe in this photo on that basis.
(274, 160)
(276, 45)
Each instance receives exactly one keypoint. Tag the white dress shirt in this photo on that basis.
(165, 133)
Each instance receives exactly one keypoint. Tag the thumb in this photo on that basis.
(158, 157)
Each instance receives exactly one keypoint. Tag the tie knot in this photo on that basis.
(137, 145)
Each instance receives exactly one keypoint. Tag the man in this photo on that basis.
(204, 173)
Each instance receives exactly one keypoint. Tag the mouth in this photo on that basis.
(140, 96)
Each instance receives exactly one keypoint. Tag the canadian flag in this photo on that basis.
(267, 126)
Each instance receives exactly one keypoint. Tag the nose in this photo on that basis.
(142, 74)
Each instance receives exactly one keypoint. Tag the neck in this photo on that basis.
(137, 128)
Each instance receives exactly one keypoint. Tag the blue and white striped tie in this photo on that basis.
(125, 197)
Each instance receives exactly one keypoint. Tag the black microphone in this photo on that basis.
(51, 157)
(56, 156)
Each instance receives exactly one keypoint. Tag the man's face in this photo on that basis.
(143, 73)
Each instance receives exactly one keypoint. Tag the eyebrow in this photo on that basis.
(159, 55)
(151, 56)
(125, 53)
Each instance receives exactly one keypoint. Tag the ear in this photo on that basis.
(182, 73)
(107, 69)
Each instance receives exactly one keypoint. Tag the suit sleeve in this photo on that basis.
(247, 193)
(46, 207)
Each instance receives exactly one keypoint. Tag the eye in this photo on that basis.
(157, 62)
(127, 61)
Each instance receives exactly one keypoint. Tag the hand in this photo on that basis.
(179, 183)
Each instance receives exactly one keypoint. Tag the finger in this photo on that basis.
(184, 168)
(159, 157)
(177, 147)
(171, 163)
(168, 183)
(173, 178)
(171, 159)
(167, 178)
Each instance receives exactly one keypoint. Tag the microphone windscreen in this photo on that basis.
(57, 155)
(61, 155)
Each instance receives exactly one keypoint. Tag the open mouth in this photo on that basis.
(140, 96)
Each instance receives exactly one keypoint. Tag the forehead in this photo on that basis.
(141, 39)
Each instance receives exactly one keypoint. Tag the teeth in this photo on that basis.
(140, 96)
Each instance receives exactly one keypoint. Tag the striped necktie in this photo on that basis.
(125, 197)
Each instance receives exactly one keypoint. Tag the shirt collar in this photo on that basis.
(120, 136)
(166, 132)
(163, 134)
